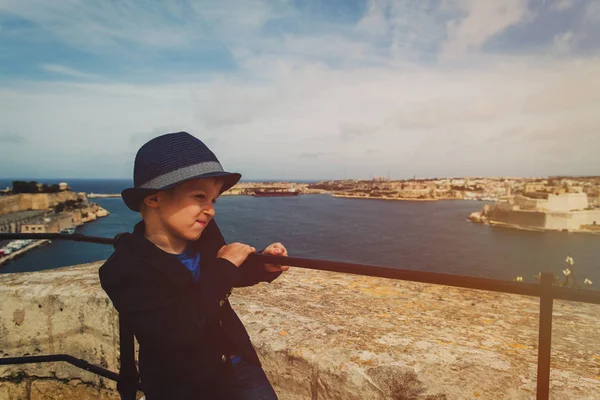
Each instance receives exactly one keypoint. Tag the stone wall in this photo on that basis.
(530, 219)
(567, 202)
(571, 221)
(321, 336)
(38, 201)
(51, 312)
(9, 204)
(557, 203)
(527, 203)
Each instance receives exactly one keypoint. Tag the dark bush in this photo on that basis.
(50, 189)
(53, 189)
(24, 187)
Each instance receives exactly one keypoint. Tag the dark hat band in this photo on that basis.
(182, 174)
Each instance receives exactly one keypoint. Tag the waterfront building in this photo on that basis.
(12, 223)
(50, 224)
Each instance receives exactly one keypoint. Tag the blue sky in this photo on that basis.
(303, 89)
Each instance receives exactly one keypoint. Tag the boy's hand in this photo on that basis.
(276, 249)
(236, 253)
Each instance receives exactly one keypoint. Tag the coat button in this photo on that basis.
(221, 323)
(223, 358)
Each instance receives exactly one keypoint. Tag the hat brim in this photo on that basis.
(133, 197)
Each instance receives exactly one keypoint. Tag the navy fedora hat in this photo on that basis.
(170, 159)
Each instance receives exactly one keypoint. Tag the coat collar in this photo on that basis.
(159, 260)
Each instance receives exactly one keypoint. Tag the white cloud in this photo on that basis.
(563, 42)
(239, 17)
(424, 117)
(374, 21)
(483, 20)
(64, 70)
(11, 138)
(102, 26)
(593, 11)
(562, 5)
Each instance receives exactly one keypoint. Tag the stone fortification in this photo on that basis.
(37, 201)
(554, 202)
(321, 336)
(561, 212)
(573, 221)
(34, 213)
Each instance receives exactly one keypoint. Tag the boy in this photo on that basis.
(171, 278)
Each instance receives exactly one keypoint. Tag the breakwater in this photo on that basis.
(24, 250)
(102, 196)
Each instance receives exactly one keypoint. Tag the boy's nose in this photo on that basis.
(210, 211)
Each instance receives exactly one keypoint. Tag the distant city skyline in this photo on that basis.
(307, 90)
(56, 180)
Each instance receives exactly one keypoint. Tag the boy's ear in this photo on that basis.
(151, 200)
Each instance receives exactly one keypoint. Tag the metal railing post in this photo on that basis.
(545, 337)
(128, 383)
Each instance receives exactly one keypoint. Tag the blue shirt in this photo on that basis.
(191, 259)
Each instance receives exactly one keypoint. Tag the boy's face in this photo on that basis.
(186, 209)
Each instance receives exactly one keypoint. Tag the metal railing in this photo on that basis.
(544, 290)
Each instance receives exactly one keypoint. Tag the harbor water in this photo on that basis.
(428, 236)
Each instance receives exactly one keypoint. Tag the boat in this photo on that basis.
(69, 231)
(15, 245)
(274, 192)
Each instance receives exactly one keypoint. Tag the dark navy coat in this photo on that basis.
(185, 330)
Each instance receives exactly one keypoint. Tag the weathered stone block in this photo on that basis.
(13, 391)
(75, 389)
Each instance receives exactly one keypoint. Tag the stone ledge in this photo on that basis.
(330, 336)
(57, 311)
(47, 388)
(460, 343)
